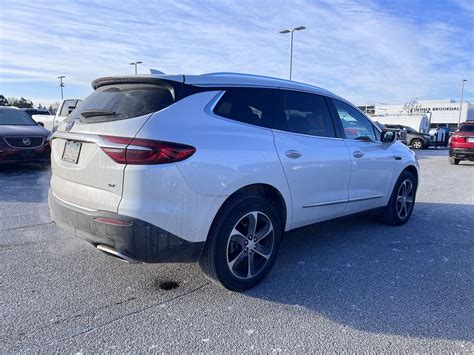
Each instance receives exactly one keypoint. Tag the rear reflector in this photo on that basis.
(112, 221)
(146, 151)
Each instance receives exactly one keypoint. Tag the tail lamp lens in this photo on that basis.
(146, 151)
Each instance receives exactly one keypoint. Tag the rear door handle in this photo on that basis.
(358, 154)
(293, 154)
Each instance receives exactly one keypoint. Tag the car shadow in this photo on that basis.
(414, 280)
(24, 182)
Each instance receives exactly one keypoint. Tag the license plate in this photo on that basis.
(470, 139)
(71, 152)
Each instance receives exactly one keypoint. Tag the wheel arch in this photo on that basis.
(414, 171)
(269, 192)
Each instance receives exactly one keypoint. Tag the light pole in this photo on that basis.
(136, 65)
(290, 31)
(61, 85)
(460, 105)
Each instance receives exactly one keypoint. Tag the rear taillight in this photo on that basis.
(456, 139)
(146, 151)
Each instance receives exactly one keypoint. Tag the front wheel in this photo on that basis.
(454, 161)
(402, 200)
(243, 243)
(417, 144)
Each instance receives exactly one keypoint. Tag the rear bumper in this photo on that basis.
(462, 153)
(137, 240)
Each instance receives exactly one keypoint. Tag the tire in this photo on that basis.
(454, 161)
(417, 144)
(399, 209)
(225, 259)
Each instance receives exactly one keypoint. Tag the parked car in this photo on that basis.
(414, 138)
(461, 143)
(51, 122)
(21, 138)
(214, 168)
(36, 111)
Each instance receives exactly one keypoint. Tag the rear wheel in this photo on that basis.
(454, 161)
(417, 144)
(243, 243)
(402, 200)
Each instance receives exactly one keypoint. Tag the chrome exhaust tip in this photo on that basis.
(112, 252)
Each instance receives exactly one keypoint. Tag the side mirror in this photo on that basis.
(40, 124)
(388, 136)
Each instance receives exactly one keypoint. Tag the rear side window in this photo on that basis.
(122, 101)
(248, 105)
(304, 113)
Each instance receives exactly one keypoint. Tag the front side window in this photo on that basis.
(355, 125)
(248, 105)
(304, 113)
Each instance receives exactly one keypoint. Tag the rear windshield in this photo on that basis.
(466, 128)
(122, 101)
(16, 118)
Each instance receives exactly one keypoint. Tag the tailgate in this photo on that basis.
(83, 174)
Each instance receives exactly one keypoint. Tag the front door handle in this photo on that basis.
(358, 154)
(293, 154)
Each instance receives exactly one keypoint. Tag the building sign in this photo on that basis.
(432, 109)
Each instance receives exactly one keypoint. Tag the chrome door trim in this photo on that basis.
(337, 202)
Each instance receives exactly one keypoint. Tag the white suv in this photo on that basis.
(214, 168)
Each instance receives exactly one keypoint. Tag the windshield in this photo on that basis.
(122, 101)
(15, 118)
(467, 128)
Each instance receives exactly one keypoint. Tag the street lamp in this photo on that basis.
(460, 105)
(136, 64)
(61, 85)
(291, 30)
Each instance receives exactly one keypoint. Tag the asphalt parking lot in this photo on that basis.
(347, 285)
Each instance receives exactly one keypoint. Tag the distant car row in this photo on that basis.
(50, 121)
(24, 133)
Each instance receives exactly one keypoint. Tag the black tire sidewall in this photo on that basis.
(391, 213)
(232, 213)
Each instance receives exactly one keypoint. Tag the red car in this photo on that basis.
(461, 144)
(21, 138)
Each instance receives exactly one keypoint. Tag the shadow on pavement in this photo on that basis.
(415, 280)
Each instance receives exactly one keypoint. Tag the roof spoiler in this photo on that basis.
(138, 79)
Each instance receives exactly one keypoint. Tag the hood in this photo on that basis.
(18, 131)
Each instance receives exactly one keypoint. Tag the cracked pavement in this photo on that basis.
(352, 285)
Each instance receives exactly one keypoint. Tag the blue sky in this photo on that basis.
(366, 51)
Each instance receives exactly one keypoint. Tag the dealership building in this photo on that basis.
(440, 113)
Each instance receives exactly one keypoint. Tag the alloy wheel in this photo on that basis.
(405, 199)
(250, 245)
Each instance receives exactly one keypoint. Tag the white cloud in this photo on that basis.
(355, 49)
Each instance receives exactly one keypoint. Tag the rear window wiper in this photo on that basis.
(97, 112)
